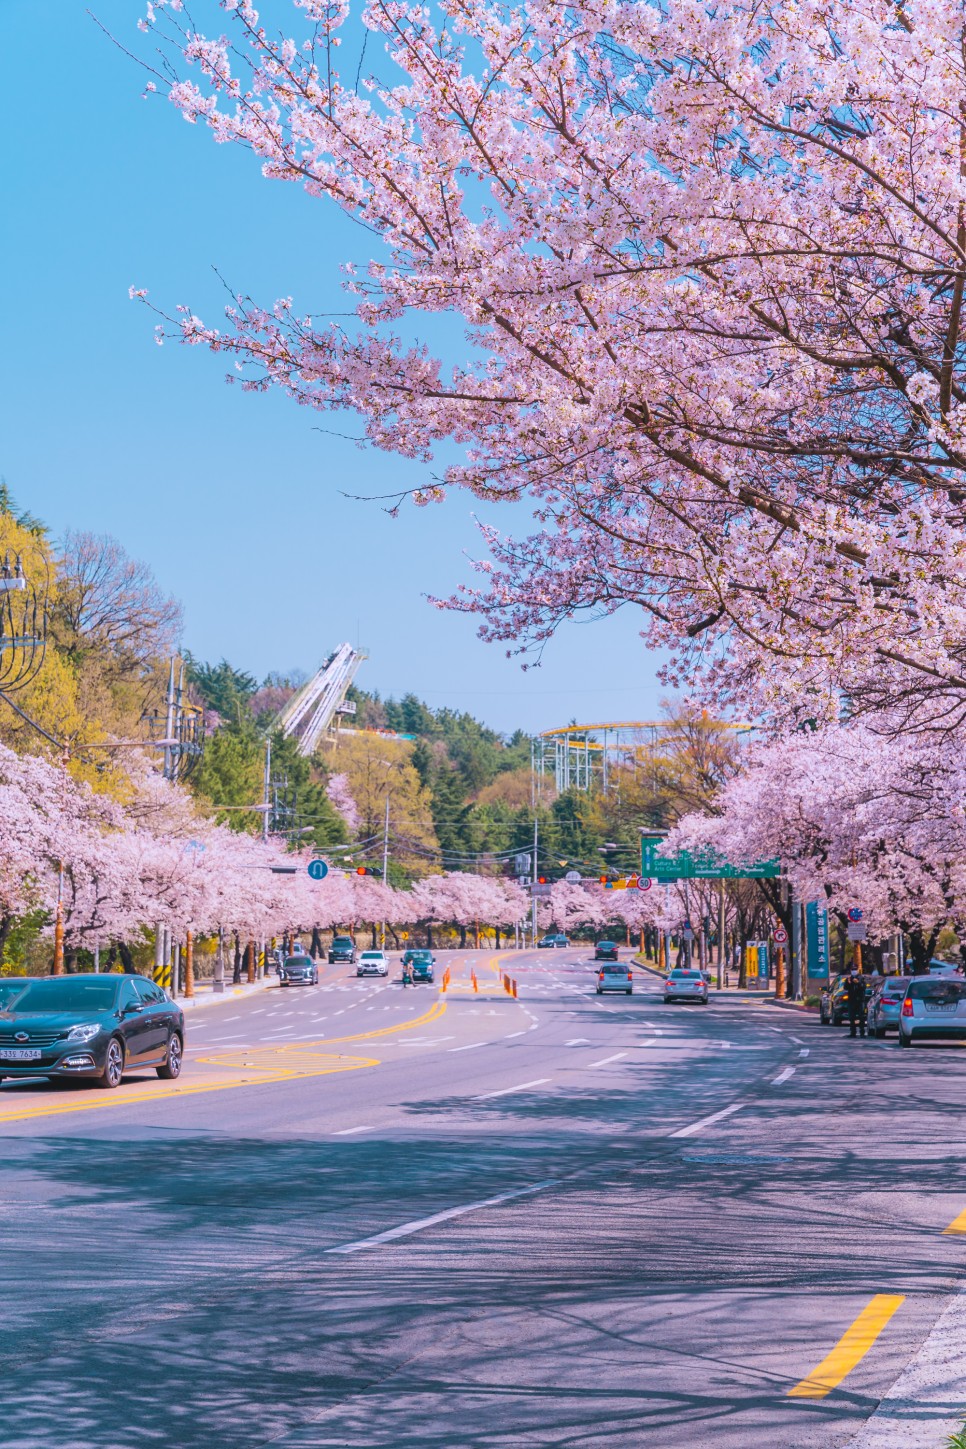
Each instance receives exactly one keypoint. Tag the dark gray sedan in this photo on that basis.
(298, 971)
(91, 1026)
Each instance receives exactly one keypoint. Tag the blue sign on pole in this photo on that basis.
(816, 937)
(318, 870)
(763, 961)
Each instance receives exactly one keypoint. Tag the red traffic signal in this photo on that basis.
(360, 870)
(541, 880)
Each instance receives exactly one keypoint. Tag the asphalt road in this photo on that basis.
(372, 1217)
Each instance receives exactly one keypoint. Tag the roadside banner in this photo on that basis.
(816, 937)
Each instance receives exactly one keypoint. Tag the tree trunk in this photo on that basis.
(127, 960)
(237, 963)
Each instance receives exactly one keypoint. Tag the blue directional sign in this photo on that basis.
(318, 870)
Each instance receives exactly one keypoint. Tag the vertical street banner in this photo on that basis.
(816, 936)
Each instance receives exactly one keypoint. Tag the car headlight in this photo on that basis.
(84, 1031)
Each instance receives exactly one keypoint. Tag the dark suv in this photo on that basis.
(342, 951)
(834, 1006)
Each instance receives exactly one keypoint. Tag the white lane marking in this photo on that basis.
(505, 1091)
(578, 1041)
(232, 1018)
(618, 1056)
(406, 1229)
(512, 1034)
(797, 1040)
(707, 1121)
(351, 1131)
(783, 1076)
(803, 1052)
(469, 1046)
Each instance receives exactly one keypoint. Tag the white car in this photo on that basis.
(685, 985)
(372, 963)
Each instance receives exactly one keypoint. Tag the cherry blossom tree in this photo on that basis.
(712, 262)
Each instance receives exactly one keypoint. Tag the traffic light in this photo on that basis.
(541, 880)
(603, 879)
(361, 870)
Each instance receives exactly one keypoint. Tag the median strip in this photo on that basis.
(850, 1349)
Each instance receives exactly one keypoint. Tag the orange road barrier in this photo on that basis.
(514, 988)
(473, 979)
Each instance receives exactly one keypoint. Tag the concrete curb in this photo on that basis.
(230, 993)
(794, 1006)
(927, 1402)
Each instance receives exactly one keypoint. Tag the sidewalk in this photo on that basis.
(205, 994)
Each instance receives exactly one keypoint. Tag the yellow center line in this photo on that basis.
(128, 1098)
(850, 1349)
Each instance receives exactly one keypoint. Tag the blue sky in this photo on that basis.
(234, 499)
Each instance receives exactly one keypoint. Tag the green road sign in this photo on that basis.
(704, 865)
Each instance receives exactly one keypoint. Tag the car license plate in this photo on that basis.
(19, 1054)
(941, 1005)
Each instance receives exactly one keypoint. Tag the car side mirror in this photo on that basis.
(132, 1008)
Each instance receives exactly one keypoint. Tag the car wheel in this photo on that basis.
(113, 1065)
(878, 1032)
(904, 1041)
(836, 1019)
(171, 1068)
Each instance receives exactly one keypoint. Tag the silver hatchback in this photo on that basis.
(882, 1013)
(682, 984)
(615, 977)
(933, 1008)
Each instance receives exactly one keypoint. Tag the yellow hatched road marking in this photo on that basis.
(958, 1224)
(850, 1349)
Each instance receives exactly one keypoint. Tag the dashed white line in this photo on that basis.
(797, 1040)
(512, 1034)
(406, 1229)
(506, 1091)
(468, 1047)
(351, 1131)
(783, 1076)
(617, 1057)
(803, 1052)
(707, 1121)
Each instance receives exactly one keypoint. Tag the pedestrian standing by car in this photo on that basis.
(855, 997)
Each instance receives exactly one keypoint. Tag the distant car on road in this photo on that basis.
(373, 963)
(560, 939)
(933, 1007)
(605, 951)
(615, 978)
(683, 984)
(420, 963)
(882, 1012)
(546, 942)
(94, 1026)
(342, 951)
(946, 968)
(298, 971)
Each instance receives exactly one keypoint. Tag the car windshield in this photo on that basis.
(613, 970)
(680, 975)
(372, 955)
(10, 989)
(342, 941)
(605, 945)
(62, 994)
(937, 991)
(896, 986)
(298, 961)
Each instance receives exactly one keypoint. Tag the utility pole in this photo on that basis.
(266, 798)
(385, 865)
(721, 933)
(796, 910)
(533, 880)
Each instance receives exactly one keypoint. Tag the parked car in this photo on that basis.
(342, 951)
(945, 968)
(605, 951)
(882, 1012)
(834, 1007)
(933, 1007)
(685, 984)
(94, 1026)
(373, 963)
(298, 971)
(615, 978)
(560, 939)
(545, 942)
